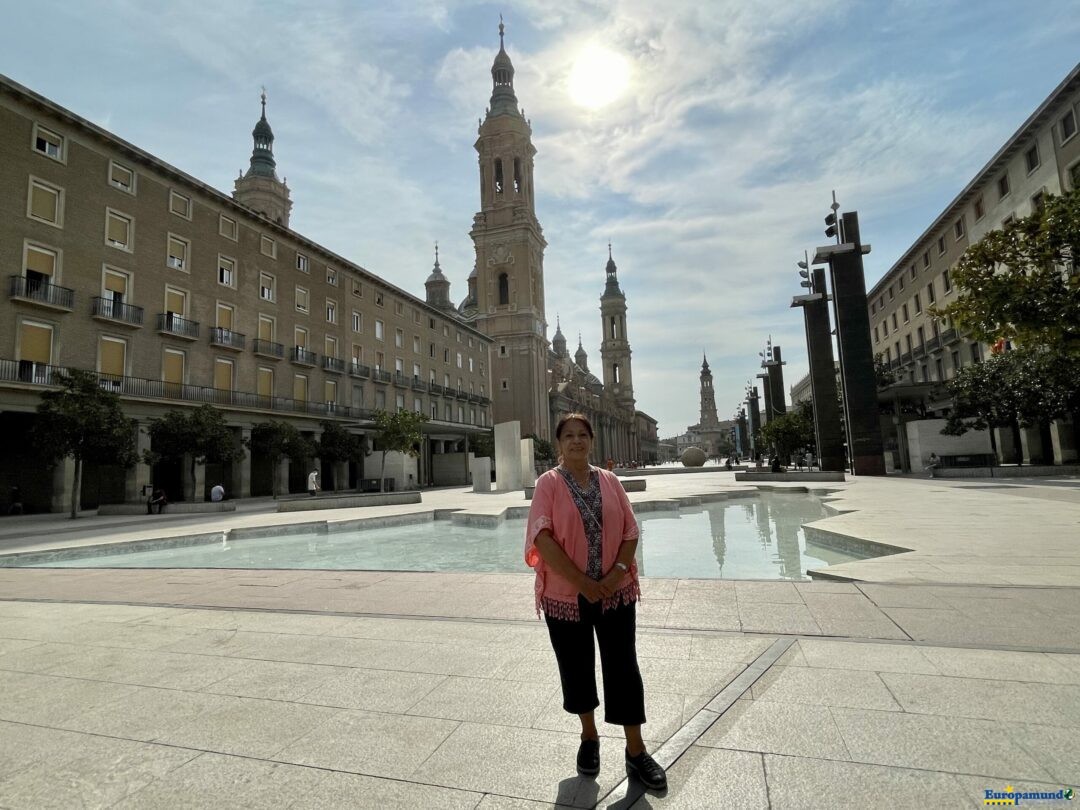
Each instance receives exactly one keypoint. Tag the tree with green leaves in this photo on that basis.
(277, 440)
(483, 445)
(1020, 283)
(543, 449)
(200, 434)
(336, 445)
(1013, 390)
(85, 422)
(790, 431)
(397, 432)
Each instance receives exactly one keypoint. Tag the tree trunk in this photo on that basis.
(274, 462)
(76, 489)
(1018, 448)
(382, 473)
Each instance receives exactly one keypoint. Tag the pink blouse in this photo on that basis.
(553, 509)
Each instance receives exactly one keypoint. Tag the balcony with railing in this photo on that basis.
(268, 348)
(418, 384)
(435, 388)
(948, 336)
(226, 338)
(919, 351)
(335, 364)
(400, 379)
(111, 310)
(905, 358)
(381, 376)
(302, 356)
(41, 374)
(933, 343)
(41, 293)
(169, 323)
(359, 370)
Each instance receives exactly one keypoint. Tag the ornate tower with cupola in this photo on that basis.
(708, 398)
(260, 188)
(509, 242)
(615, 347)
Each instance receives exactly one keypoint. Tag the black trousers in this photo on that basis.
(624, 694)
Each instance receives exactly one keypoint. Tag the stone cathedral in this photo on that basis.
(533, 381)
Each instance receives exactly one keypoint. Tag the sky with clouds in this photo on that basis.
(710, 174)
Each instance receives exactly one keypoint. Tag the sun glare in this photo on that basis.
(599, 77)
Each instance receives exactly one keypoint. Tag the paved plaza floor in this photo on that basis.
(918, 679)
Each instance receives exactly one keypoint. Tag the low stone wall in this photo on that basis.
(182, 508)
(1028, 471)
(349, 501)
(628, 485)
(789, 476)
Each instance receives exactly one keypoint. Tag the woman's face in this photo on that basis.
(575, 442)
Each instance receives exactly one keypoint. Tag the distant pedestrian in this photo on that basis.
(217, 493)
(933, 464)
(809, 460)
(157, 499)
(313, 483)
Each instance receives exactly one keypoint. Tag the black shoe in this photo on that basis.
(588, 758)
(647, 769)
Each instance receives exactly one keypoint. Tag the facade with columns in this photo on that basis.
(177, 295)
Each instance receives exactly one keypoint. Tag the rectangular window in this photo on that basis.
(357, 353)
(264, 382)
(266, 287)
(446, 355)
(45, 202)
(471, 364)
(266, 328)
(180, 204)
(914, 272)
(118, 230)
(416, 344)
(894, 326)
(302, 263)
(227, 227)
(431, 350)
(907, 342)
(301, 299)
(378, 299)
(399, 402)
(926, 258)
(114, 289)
(378, 330)
(39, 266)
(112, 356)
(331, 311)
(416, 371)
(225, 317)
(330, 392)
(1038, 202)
(939, 364)
(980, 209)
(357, 322)
(300, 336)
(1031, 158)
(920, 335)
(418, 405)
(1003, 186)
(930, 292)
(48, 143)
(1067, 125)
(121, 177)
(900, 281)
(175, 302)
(330, 346)
(399, 365)
(399, 338)
(177, 254)
(941, 246)
(459, 359)
(357, 288)
(300, 388)
(35, 346)
(380, 361)
(892, 292)
(958, 229)
(331, 276)
(905, 311)
(946, 282)
(918, 303)
(399, 308)
(268, 247)
(876, 338)
(172, 367)
(226, 271)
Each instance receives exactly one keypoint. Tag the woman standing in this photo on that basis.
(581, 538)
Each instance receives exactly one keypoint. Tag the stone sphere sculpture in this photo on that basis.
(693, 457)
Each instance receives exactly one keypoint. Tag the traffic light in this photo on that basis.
(831, 228)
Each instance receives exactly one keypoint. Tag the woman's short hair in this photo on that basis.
(572, 417)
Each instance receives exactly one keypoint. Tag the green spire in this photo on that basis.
(262, 156)
(503, 99)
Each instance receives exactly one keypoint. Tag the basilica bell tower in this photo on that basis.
(509, 247)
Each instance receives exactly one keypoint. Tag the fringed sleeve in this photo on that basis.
(539, 518)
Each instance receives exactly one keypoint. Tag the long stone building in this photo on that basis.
(1042, 157)
(176, 294)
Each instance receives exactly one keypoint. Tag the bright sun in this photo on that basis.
(599, 77)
